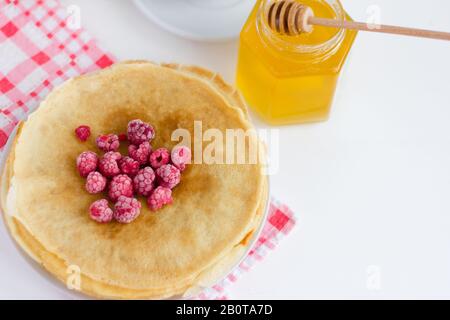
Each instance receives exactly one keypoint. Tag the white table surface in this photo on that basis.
(371, 186)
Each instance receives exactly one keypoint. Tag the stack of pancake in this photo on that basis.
(174, 252)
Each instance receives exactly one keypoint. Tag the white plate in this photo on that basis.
(201, 20)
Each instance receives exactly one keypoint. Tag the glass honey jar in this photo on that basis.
(292, 79)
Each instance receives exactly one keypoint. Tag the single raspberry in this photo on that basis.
(126, 209)
(139, 131)
(109, 167)
(143, 181)
(123, 137)
(100, 211)
(180, 156)
(83, 132)
(113, 155)
(140, 153)
(159, 157)
(95, 182)
(108, 142)
(120, 185)
(129, 166)
(87, 162)
(159, 197)
(168, 176)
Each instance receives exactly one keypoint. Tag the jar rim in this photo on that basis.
(318, 49)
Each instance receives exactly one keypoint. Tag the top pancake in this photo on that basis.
(214, 205)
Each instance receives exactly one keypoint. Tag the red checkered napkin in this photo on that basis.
(280, 221)
(38, 51)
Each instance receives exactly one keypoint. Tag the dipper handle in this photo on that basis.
(289, 17)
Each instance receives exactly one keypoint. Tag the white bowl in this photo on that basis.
(201, 20)
(78, 295)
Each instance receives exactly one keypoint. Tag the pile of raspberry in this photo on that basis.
(143, 172)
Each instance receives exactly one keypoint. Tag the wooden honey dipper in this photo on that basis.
(292, 18)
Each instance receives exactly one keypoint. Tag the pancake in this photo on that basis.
(163, 254)
(59, 268)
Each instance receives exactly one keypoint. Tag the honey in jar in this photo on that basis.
(292, 79)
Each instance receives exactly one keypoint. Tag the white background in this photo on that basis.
(371, 186)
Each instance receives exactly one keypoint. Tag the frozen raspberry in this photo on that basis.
(108, 142)
(129, 166)
(95, 182)
(100, 211)
(126, 209)
(180, 156)
(87, 162)
(159, 157)
(168, 176)
(120, 185)
(160, 197)
(83, 132)
(113, 155)
(139, 131)
(143, 181)
(141, 153)
(123, 137)
(108, 167)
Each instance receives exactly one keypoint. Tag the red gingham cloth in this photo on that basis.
(38, 51)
